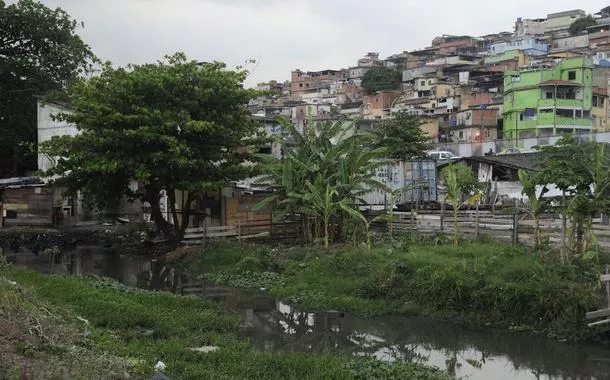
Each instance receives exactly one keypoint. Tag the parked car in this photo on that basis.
(442, 155)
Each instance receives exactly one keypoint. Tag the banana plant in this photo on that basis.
(529, 181)
(329, 165)
(357, 214)
(461, 188)
(320, 200)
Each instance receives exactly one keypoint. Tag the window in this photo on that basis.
(422, 83)
(572, 75)
(429, 81)
(595, 101)
(549, 95)
(564, 113)
(515, 78)
(461, 134)
(300, 84)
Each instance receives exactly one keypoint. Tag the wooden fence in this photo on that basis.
(504, 224)
(602, 313)
(248, 230)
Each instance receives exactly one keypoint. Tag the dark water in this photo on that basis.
(272, 326)
(466, 352)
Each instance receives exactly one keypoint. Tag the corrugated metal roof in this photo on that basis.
(20, 182)
(526, 161)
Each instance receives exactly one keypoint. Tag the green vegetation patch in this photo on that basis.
(477, 282)
(98, 328)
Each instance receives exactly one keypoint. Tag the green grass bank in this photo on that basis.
(87, 327)
(483, 283)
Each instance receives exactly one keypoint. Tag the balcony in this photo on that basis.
(550, 120)
(561, 103)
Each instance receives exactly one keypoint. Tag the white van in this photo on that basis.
(441, 155)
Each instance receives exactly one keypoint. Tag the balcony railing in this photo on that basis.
(548, 119)
(565, 103)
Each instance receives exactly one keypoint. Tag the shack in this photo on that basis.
(500, 174)
(410, 182)
(26, 201)
(231, 206)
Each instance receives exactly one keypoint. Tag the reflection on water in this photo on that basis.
(274, 326)
(469, 353)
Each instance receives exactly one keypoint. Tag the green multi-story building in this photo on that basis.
(548, 101)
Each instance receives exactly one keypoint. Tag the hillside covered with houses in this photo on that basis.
(473, 96)
(546, 77)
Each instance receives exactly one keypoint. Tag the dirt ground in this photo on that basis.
(19, 341)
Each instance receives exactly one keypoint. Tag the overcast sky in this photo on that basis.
(283, 35)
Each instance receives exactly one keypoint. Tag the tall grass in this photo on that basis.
(481, 282)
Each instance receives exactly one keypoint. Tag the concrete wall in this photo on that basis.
(562, 20)
(530, 27)
(600, 112)
(573, 42)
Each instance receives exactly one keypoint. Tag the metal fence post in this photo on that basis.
(442, 217)
(515, 222)
(476, 223)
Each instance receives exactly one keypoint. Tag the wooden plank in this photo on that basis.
(221, 234)
(194, 230)
(604, 277)
(262, 234)
(28, 221)
(191, 242)
(192, 236)
(602, 322)
(598, 313)
(221, 228)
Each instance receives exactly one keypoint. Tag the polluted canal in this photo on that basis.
(468, 353)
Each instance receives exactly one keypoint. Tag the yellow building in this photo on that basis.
(430, 126)
(599, 109)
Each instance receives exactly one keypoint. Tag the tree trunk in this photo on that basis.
(186, 214)
(456, 228)
(580, 232)
(171, 195)
(159, 274)
(537, 230)
(325, 220)
(163, 227)
(564, 227)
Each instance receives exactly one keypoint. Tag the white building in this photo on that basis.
(49, 127)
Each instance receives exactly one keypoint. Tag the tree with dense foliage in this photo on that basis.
(173, 125)
(581, 25)
(380, 79)
(40, 53)
(461, 188)
(322, 176)
(582, 172)
(402, 137)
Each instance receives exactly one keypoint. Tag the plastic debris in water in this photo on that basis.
(160, 366)
(205, 349)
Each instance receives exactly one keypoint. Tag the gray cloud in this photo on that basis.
(287, 34)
